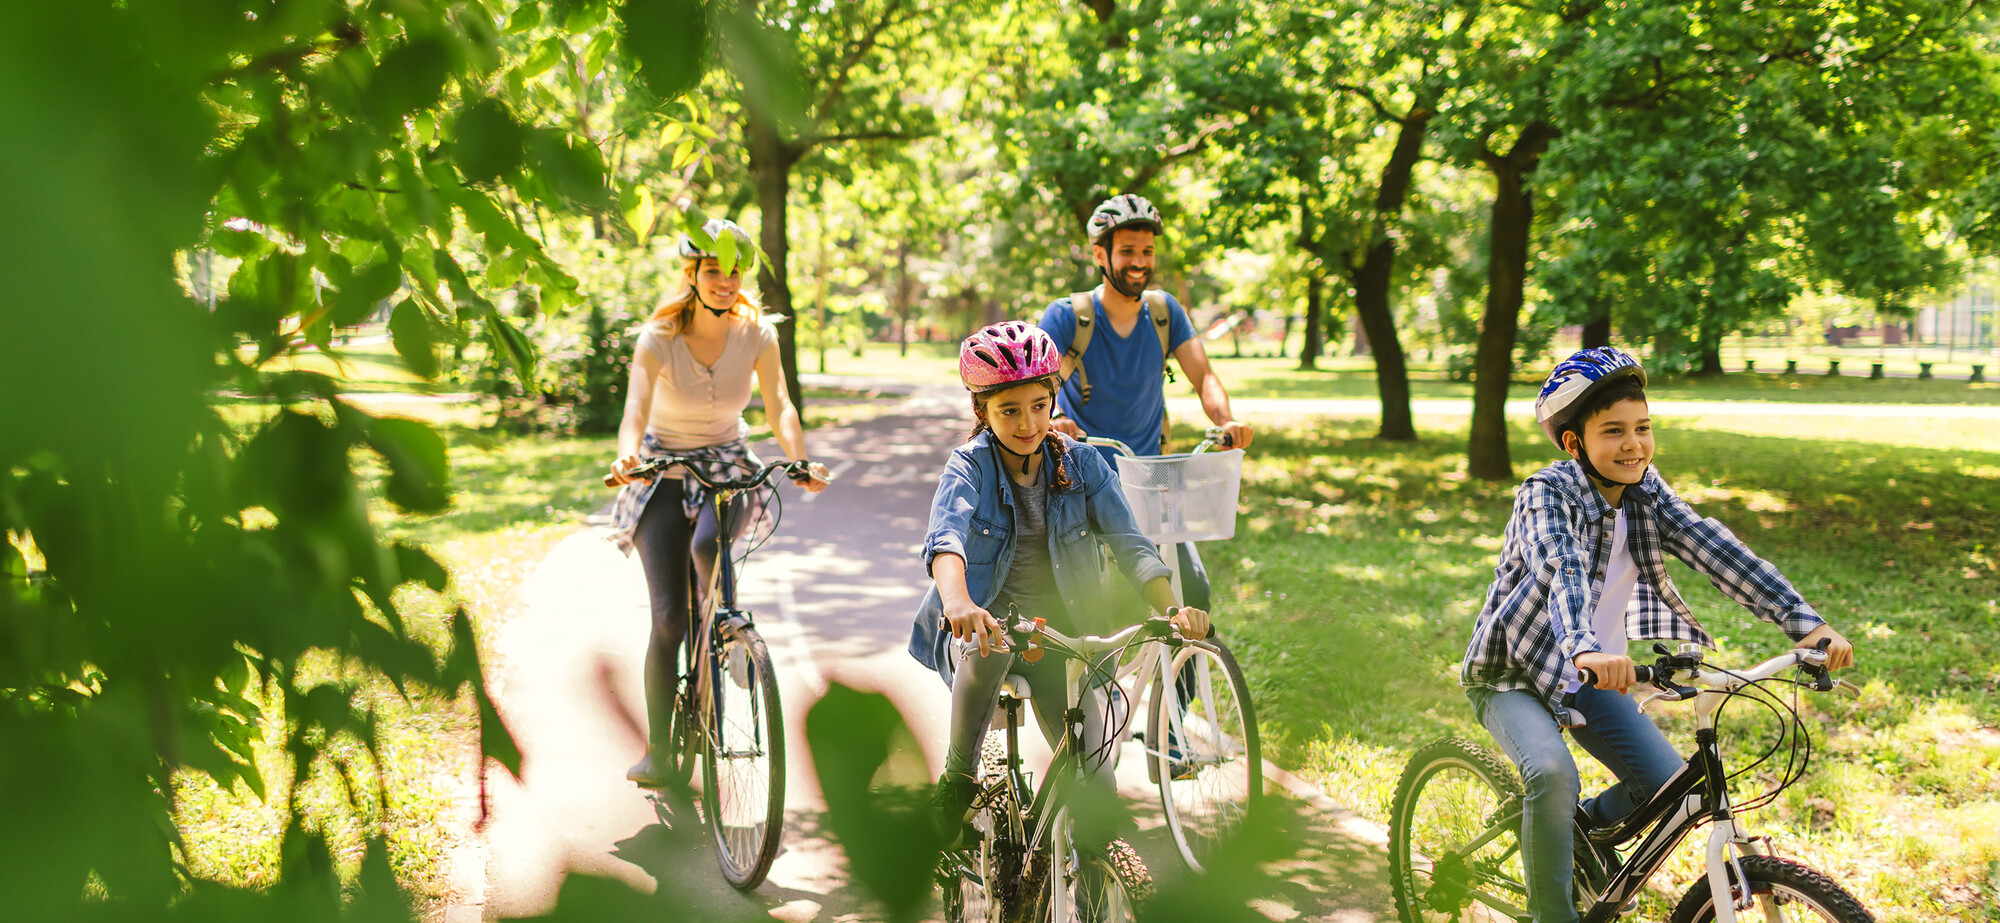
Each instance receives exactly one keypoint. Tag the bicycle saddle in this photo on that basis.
(1016, 687)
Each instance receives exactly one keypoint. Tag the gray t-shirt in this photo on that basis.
(1031, 578)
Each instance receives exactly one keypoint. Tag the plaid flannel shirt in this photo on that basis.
(1558, 543)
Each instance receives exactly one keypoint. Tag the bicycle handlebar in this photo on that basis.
(692, 465)
(1686, 667)
(1213, 435)
(1022, 633)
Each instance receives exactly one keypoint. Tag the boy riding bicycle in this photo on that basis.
(1580, 573)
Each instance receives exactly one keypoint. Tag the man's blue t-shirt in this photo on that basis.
(1127, 393)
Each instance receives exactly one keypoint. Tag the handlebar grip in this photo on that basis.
(1589, 676)
(611, 480)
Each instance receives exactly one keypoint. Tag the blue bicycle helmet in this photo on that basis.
(1575, 378)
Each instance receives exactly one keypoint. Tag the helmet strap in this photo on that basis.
(1589, 470)
(1117, 281)
(718, 312)
(1025, 459)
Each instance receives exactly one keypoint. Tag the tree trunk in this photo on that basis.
(1711, 352)
(1493, 364)
(1360, 347)
(1597, 330)
(1373, 279)
(902, 299)
(771, 160)
(1309, 352)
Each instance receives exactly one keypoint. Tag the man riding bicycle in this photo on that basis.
(1117, 339)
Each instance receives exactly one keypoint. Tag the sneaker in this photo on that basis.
(951, 808)
(647, 772)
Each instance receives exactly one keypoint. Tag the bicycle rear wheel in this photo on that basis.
(1202, 748)
(1454, 844)
(1784, 890)
(743, 777)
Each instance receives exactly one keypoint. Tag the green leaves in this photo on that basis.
(419, 479)
(410, 77)
(669, 39)
(572, 167)
(884, 829)
(487, 143)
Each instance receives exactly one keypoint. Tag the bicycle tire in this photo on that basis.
(980, 893)
(1111, 885)
(743, 774)
(1209, 768)
(1789, 883)
(1451, 793)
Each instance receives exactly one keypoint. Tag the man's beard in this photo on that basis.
(1118, 281)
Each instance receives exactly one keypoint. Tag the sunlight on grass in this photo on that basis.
(1358, 567)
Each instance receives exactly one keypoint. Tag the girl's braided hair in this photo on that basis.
(1056, 445)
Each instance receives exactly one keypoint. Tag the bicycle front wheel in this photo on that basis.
(1202, 748)
(743, 776)
(1108, 884)
(1784, 891)
(1454, 844)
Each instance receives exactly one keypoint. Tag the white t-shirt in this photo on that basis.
(696, 406)
(1621, 577)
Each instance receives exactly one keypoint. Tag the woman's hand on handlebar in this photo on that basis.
(619, 467)
(968, 622)
(815, 479)
(1614, 671)
(1839, 650)
(1192, 623)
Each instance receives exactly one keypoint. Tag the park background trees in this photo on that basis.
(500, 183)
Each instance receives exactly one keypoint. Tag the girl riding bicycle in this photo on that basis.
(1580, 572)
(1011, 527)
(691, 375)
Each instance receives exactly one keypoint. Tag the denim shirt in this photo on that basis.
(972, 516)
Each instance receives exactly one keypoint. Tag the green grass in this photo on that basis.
(1355, 378)
(1358, 568)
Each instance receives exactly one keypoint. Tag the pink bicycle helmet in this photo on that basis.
(1006, 352)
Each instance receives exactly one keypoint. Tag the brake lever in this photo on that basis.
(1843, 687)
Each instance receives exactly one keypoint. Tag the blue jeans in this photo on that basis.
(1616, 734)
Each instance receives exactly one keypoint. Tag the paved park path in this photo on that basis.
(833, 593)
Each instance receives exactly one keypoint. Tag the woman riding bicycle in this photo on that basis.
(1581, 571)
(691, 375)
(1011, 527)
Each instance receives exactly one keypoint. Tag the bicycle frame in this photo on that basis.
(1697, 794)
(718, 612)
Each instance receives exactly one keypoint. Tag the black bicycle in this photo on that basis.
(1027, 865)
(1454, 844)
(728, 714)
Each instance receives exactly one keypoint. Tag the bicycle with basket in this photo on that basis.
(1200, 732)
(728, 716)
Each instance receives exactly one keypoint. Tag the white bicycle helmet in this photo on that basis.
(1124, 211)
(746, 252)
(1574, 379)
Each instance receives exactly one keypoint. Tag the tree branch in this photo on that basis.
(805, 144)
(1191, 146)
(855, 53)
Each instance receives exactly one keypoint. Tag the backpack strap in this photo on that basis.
(1156, 307)
(1085, 306)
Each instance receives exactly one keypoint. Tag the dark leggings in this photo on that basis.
(664, 536)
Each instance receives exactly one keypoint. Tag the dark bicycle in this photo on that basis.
(1454, 838)
(728, 715)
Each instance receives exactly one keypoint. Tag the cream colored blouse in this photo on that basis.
(695, 406)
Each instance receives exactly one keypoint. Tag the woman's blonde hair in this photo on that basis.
(672, 316)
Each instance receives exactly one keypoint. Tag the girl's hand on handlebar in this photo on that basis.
(1614, 671)
(968, 622)
(1192, 623)
(619, 467)
(1839, 652)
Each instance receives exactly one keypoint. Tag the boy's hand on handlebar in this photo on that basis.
(1192, 623)
(1839, 650)
(1614, 671)
(968, 622)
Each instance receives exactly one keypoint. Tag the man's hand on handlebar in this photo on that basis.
(1067, 426)
(1192, 623)
(1236, 435)
(1839, 650)
(1614, 671)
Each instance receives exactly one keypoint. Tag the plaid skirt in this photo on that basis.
(728, 460)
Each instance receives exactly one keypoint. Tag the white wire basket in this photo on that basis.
(1183, 498)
